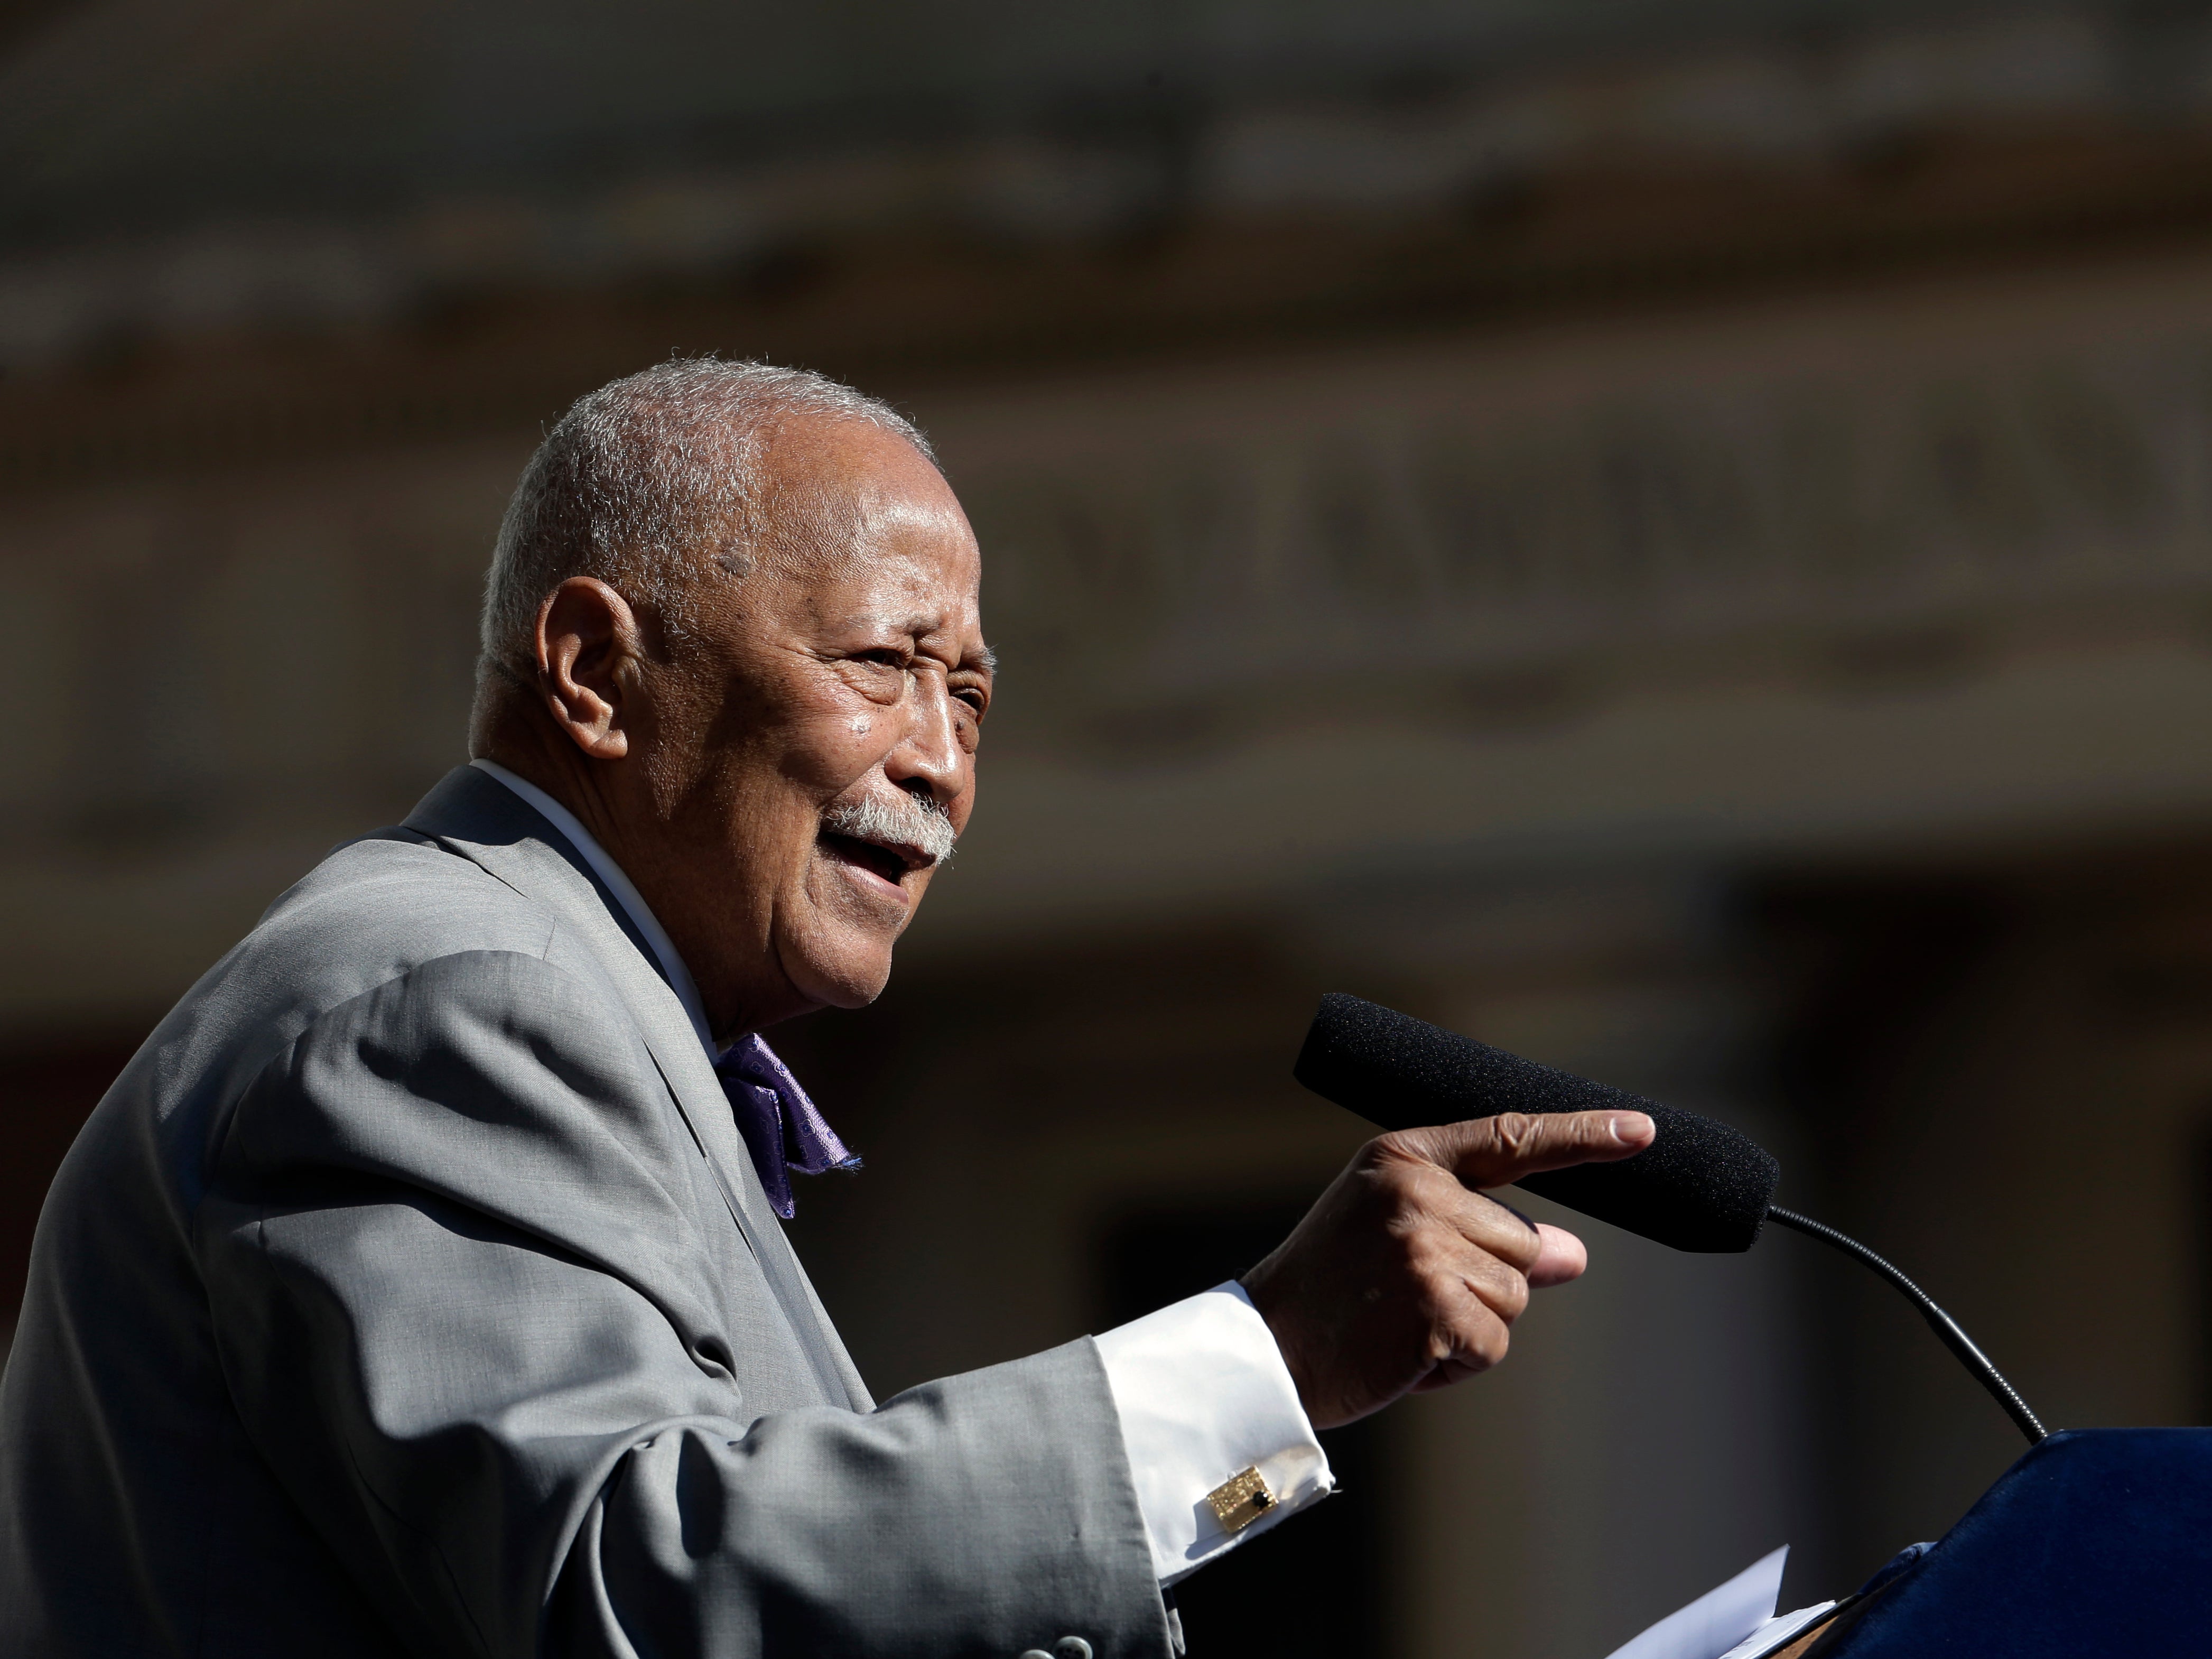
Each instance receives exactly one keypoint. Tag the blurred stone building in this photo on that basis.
(1677, 539)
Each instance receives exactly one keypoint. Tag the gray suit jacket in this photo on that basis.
(411, 1291)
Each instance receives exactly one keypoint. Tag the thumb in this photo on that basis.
(1496, 1151)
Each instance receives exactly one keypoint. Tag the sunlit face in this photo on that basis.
(845, 666)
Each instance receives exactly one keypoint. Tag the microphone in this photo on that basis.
(1698, 1185)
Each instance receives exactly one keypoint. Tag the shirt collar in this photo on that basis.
(626, 895)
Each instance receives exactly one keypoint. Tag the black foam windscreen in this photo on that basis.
(1699, 1186)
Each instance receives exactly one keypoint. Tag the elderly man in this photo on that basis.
(419, 1288)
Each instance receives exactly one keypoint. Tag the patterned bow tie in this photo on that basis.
(783, 1129)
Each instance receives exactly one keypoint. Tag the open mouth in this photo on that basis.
(885, 863)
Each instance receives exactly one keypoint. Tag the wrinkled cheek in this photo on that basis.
(833, 749)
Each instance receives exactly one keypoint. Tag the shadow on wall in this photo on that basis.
(1316, 1588)
(46, 1092)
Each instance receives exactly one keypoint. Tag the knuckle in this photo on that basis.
(1509, 1295)
(1399, 1146)
(1480, 1343)
(1512, 1240)
(1414, 1194)
(1517, 1132)
(1497, 1286)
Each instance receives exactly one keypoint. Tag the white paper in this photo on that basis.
(1717, 1622)
(1778, 1632)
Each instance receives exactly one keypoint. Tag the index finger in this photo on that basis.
(1496, 1151)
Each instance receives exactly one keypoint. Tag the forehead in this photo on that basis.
(861, 528)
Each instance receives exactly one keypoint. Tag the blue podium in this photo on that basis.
(2097, 1541)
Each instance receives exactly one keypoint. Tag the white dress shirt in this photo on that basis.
(1201, 1386)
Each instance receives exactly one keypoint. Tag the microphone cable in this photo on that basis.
(1941, 1323)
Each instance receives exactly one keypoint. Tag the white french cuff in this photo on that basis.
(1203, 1395)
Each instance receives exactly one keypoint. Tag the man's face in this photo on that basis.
(815, 748)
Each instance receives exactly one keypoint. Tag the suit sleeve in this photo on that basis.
(465, 1313)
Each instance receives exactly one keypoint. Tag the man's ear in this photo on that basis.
(588, 652)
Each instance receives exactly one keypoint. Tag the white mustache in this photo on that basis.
(904, 820)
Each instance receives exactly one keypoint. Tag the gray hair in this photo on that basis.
(633, 482)
(911, 818)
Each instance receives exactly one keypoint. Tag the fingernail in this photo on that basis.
(1628, 1127)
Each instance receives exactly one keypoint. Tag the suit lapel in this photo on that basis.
(474, 815)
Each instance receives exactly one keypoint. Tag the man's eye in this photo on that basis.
(882, 658)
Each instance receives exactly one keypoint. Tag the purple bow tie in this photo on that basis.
(783, 1129)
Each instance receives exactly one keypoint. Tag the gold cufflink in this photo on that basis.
(1240, 1500)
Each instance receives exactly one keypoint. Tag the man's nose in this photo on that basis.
(930, 753)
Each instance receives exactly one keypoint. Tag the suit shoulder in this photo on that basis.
(384, 905)
(374, 911)
(397, 927)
